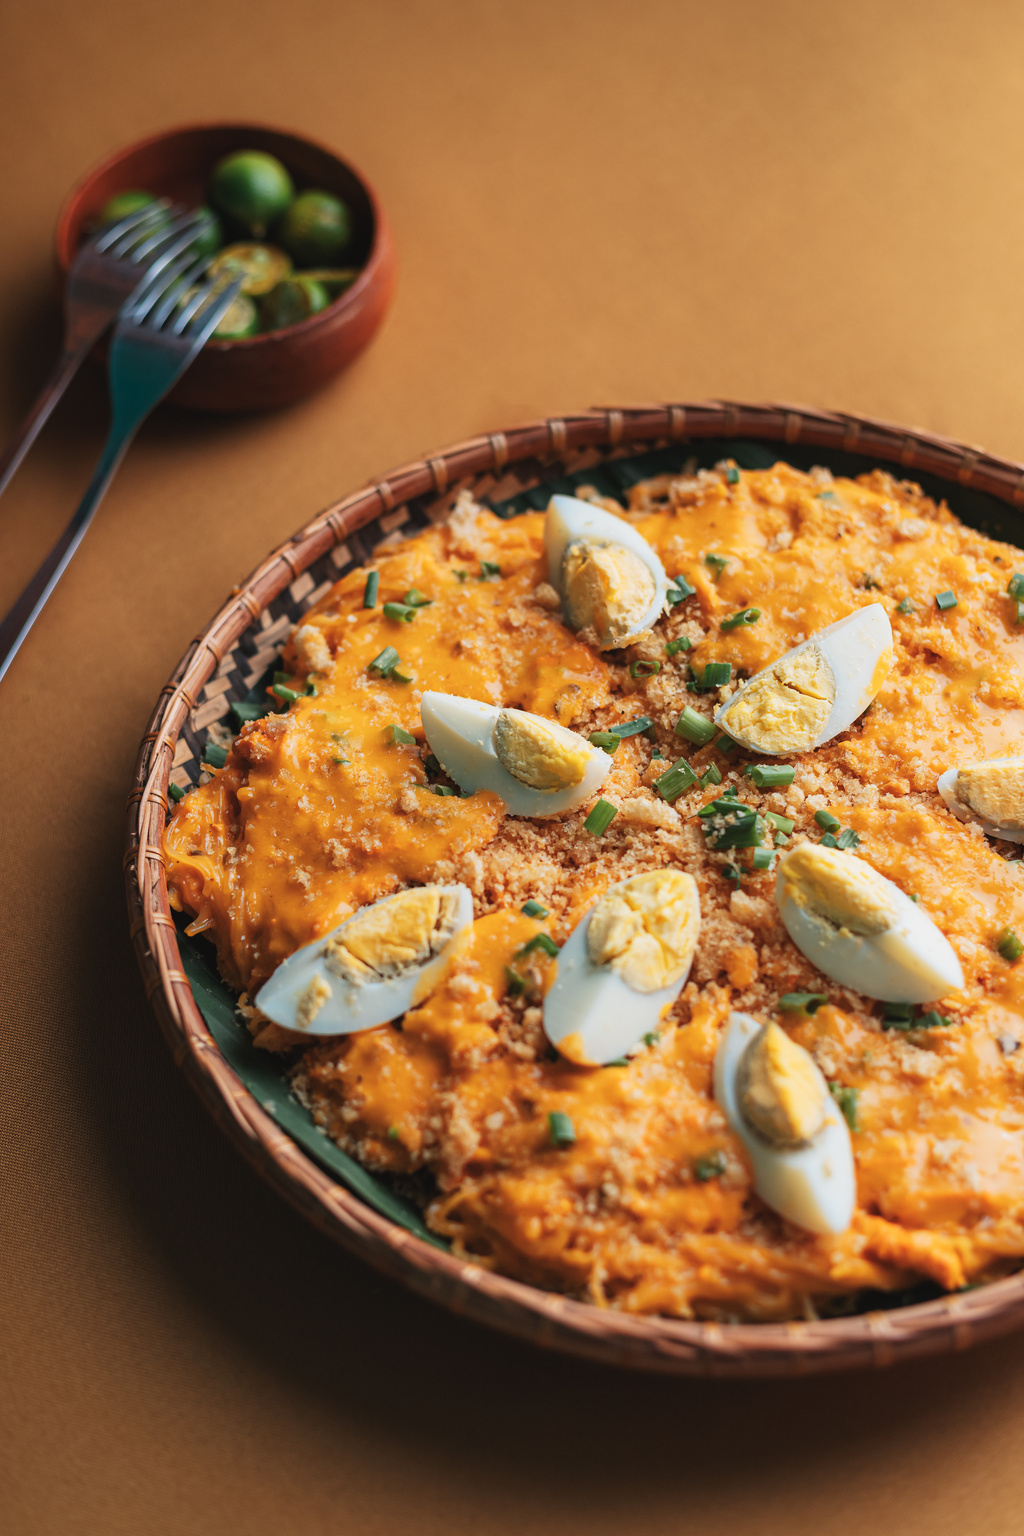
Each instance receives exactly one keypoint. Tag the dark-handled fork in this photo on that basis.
(157, 336)
(110, 266)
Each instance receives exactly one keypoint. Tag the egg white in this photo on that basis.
(852, 647)
(460, 733)
(570, 521)
(353, 1006)
(946, 787)
(814, 1186)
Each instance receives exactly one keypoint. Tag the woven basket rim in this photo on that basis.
(677, 1346)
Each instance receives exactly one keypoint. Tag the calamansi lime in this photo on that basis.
(334, 279)
(122, 204)
(316, 229)
(292, 301)
(239, 320)
(261, 267)
(210, 236)
(251, 187)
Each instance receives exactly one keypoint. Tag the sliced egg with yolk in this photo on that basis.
(538, 768)
(609, 578)
(861, 929)
(777, 1102)
(990, 793)
(373, 967)
(815, 690)
(622, 966)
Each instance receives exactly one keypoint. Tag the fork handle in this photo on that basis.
(76, 347)
(26, 609)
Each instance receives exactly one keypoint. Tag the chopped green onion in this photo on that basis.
(339, 759)
(905, 607)
(608, 740)
(286, 695)
(417, 599)
(431, 764)
(768, 776)
(651, 1038)
(732, 475)
(534, 909)
(542, 941)
(402, 737)
(934, 1020)
(780, 823)
(632, 727)
(618, 1061)
(1009, 945)
(827, 820)
(762, 858)
(716, 564)
(561, 1129)
(214, 756)
(462, 575)
(370, 590)
(1015, 585)
(310, 690)
(283, 677)
(400, 612)
(175, 791)
(601, 817)
(897, 1016)
(711, 775)
(675, 780)
(846, 1098)
(801, 1002)
(643, 668)
(679, 592)
(489, 570)
(398, 677)
(443, 789)
(710, 1167)
(828, 841)
(517, 983)
(915, 897)
(1020, 613)
(675, 646)
(244, 711)
(693, 727)
(731, 872)
(714, 675)
(944, 600)
(394, 1134)
(745, 616)
(385, 661)
(743, 828)
(848, 839)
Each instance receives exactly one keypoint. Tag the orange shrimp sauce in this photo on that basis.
(650, 1208)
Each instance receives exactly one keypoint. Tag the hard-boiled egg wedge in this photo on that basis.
(608, 576)
(371, 968)
(778, 1104)
(860, 928)
(622, 966)
(537, 767)
(815, 690)
(991, 793)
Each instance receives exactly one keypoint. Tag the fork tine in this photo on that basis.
(173, 295)
(172, 280)
(194, 305)
(132, 224)
(205, 322)
(126, 244)
(187, 224)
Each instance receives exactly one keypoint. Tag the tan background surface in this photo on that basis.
(594, 202)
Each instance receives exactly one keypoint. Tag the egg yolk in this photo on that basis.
(787, 707)
(539, 754)
(394, 935)
(607, 588)
(646, 929)
(840, 887)
(994, 791)
(780, 1093)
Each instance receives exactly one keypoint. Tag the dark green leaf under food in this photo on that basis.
(244, 711)
(214, 756)
(801, 1002)
(176, 792)
(561, 1129)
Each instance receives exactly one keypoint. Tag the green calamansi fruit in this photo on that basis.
(334, 279)
(210, 236)
(315, 229)
(291, 301)
(261, 267)
(239, 320)
(252, 188)
(122, 204)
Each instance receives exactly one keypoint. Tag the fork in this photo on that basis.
(110, 267)
(160, 331)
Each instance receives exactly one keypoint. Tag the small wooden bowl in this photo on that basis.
(238, 646)
(282, 366)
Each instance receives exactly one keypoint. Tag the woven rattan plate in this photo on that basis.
(244, 1089)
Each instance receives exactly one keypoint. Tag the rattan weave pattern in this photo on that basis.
(233, 652)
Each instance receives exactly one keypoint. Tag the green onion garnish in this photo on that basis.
(310, 689)
(693, 727)
(286, 695)
(534, 909)
(442, 789)
(897, 1016)
(385, 662)
(675, 780)
(768, 776)
(618, 1061)
(607, 740)
(733, 872)
(827, 820)
(175, 791)
(370, 590)
(631, 727)
(651, 1038)
(745, 616)
(732, 475)
(710, 1167)
(679, 592)
(716, 564)
(828, 841)
(780, 823)
(542, 941)
(933, 1020)
(715, 675)
(801, 1002)
(431, 764)
(944, 600)
(762, 858)
(244, 712)
(214, 756)
(401, 737)
(846, 1098)
(394, 1134)
(417, 599)
(1020, 613)
(489, 570)
(1009, 945)
(561, 1129)
(848, 839)
(1015, 585)
(398, 677)
(675, 646)
(711, 775)
(601, 817)
(644, 668)
(905, 607)
(461, 575)
(517, 983)
(402, 613)
(743, 827)
(283, 677)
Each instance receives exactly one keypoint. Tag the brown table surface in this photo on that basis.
(594, 203)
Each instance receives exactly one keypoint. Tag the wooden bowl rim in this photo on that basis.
(661, 1344)
(351, 299)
